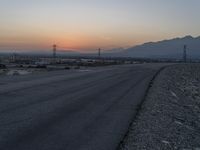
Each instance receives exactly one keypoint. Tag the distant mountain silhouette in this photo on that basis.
(165, 49)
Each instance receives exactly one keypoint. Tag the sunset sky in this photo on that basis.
(85, 25)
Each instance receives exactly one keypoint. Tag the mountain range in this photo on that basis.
(172, 48)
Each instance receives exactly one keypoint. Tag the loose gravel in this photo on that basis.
(170, 116)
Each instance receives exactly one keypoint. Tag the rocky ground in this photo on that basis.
(170, 116)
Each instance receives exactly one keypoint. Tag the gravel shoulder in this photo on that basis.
(170, 115)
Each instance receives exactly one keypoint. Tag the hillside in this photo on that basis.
(172, 48)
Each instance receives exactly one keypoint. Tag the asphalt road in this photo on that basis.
(71, 110)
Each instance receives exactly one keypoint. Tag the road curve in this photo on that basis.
(71, 110)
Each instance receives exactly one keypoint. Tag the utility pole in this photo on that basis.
(14, 57)
(185, 54)
(54, 50)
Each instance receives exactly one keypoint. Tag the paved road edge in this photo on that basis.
(141, 104)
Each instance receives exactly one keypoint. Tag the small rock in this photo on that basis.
(165, 142)
(179, 123)
(174, 94)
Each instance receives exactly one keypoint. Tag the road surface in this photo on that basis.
(71, 110)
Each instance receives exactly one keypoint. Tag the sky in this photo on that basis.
(86, 25)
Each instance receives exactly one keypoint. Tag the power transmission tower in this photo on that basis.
(99, 52)
(185, 53)
(54, 50)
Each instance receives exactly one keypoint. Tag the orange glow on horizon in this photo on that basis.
(85, 26)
